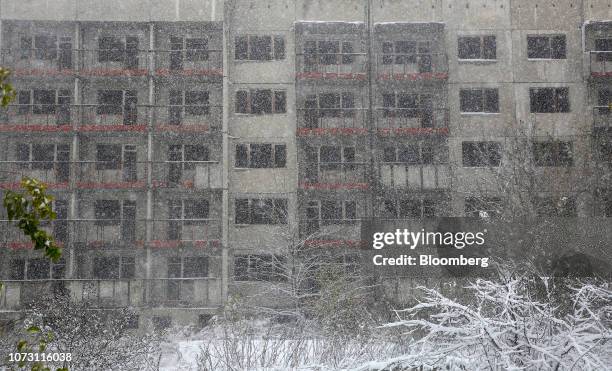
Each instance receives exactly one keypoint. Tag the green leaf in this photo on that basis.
(33, 330)
(21, 345)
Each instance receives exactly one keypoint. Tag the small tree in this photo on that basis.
(30, 209)
(304, 279)
(97, 339)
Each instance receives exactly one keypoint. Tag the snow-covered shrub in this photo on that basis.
(513, 323)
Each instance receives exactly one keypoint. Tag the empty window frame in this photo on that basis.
(118, 102)
(43, 47)
(188, 155)
(605, 200)
(188, 267)
(336, 155)
(259, 47)
(192, 103)
(604, 46)
(267, 268)
(196, 49)
(328, 52)
(481, 100)
(553, 153)
(43, 102)
(603, 151)
(36, 269)
(261, 210)
(481, 154)
(563, 207)
(411, 208)
(477, 47)
(549, 100)
(42, 156)
(406, 105)
(604, 101)
(118, 49)
(261, 101)
(417, 154)
(113, 212)
(191, 212)
(331, 104)
(260, 155)
(190, 49)
(329, 212)
(546, 46)
(406, 52)
(481, 207)
(115, 156)
(114, 267)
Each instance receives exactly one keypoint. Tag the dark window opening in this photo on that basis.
(259, 48)
(110, 49)
(605, 46)
(45, 47)
(557, 153)
(43, 156)
(416, 154)
(327, 52)
(44, 102)
(479, 100)
(261, 101)
(546, 47)
(196, 211)
(196, 103)
(196, 50)
(477, 47)
(193, 154)
(338, 212)
(261, 211)
(267, 268)
(195, 267)
(114, 267)
(549, 100)
(107, 212)
(110, 102)
(411, 208)
(478, 154)
(108, 156)
(260, 155)
(564, 207)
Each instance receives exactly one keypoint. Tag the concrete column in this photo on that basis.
(226, 160)
(1, 59)
(74, 157)
(149, 223)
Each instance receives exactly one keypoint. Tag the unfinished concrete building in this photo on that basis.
(187, 141)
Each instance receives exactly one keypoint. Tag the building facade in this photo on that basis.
(186, 142)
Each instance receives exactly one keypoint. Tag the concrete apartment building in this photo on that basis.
(187, 140)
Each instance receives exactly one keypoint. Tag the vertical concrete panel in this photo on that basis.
(597, 9)
(407, 11)
(546, 14)
(113, 10)
(325, 10)
(38, 9)
(491, 14)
